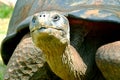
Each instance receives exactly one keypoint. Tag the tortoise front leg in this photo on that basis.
(28, 63)
(108, 60)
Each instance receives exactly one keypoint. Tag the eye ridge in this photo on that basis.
(56, 18)
(34, 19)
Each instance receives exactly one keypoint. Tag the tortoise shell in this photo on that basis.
(84, 12)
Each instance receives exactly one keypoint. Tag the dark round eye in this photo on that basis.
(56, 18)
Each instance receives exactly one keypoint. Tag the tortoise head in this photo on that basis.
(50, 23)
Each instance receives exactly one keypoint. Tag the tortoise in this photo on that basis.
(94, 34)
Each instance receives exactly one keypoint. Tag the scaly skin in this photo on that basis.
(62, 58)
(108, 60)
(28, 63)
(50, 33)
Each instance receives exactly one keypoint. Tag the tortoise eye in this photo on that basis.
(56, 18)
(34, 19)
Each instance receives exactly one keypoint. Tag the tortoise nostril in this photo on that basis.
(43, 15)
(56, 18)
(34, 19)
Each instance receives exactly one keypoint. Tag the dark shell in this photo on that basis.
(98, 10)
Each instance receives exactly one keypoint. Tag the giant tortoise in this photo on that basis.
(94, 35)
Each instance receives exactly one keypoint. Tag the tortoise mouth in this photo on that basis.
(56, 32)
(43, 28)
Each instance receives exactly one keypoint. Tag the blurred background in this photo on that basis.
(6, 9)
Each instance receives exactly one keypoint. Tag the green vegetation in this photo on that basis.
(5, 11)
(5, 14)
(2, 70)
(2, 66)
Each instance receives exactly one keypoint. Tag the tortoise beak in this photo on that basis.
(37, 24)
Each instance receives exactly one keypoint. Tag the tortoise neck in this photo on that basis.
(68, 60)
(60, 55)
(72, 59)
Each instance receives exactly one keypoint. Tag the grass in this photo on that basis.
(5, 11)
(5, 14)
(3, 30)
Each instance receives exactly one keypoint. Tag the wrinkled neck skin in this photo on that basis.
(63, 59)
